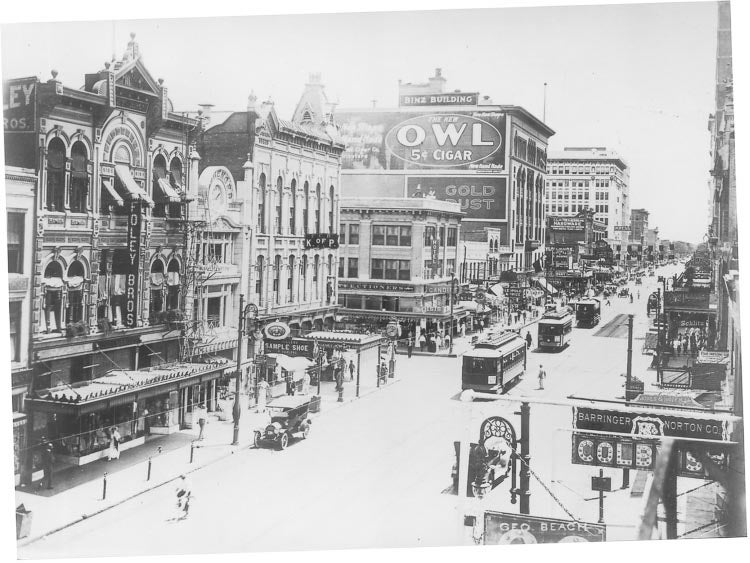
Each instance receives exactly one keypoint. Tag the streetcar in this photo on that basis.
(588, 312)
(555, 329)
(495, 363)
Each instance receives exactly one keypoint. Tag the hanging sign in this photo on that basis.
(503, 528)
(135, 219)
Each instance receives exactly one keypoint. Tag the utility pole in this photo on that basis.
(237, 411)
(525, 459)
(601, 498)
(628, 383)
(450, 331)
(658, 335)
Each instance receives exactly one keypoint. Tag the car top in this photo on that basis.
(290, 401)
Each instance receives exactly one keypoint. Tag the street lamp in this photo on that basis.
(320, 357)
(245, 327)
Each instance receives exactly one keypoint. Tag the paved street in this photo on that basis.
(376, 472)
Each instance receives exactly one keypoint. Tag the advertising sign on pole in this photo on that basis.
(480, 197)
(504, 528)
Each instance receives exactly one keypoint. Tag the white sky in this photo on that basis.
(636, 78)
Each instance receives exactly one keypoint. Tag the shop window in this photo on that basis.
(353, 268)
(354, 233)
(390, 303)
(79, 179)
(16, 231)
(293, 207)
(261, 225)
(56, 175)
(14, 310)
(373, 303)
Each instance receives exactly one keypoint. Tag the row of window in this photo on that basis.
(387, 269)
(300, 277)
(582, 169)
(277, 219)
(398, 235)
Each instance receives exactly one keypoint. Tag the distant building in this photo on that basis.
(594, 178)
(460, 147)
(638, 224)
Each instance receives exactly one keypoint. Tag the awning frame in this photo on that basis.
(134, 190)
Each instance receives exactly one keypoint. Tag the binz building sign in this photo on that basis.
(443, 140)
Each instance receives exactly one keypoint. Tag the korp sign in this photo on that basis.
(482, 198)
(444, 140)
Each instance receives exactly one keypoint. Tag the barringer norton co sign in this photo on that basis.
(443, 140)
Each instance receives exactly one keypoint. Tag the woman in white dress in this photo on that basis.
(262, 394)
(114, 444)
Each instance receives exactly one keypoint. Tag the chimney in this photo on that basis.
(437, 82)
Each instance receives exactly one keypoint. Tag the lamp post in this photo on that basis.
(319, 359)
(248, 313)
(450, 331)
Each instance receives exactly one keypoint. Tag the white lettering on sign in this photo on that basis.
(418, 138)
(19, 95)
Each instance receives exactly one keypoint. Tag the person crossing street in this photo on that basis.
(542, 376)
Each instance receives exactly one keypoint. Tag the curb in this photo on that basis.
(26, 541)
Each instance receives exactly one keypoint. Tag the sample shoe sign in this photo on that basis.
(502, 528)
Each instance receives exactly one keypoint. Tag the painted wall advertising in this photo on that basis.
(567, 223)
(19, 121)
(412, 141)
(480, 198)
(135, 219)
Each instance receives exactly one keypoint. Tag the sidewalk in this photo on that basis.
(78, 491)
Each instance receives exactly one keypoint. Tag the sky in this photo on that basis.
(636, 78)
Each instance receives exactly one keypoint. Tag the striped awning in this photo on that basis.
(134, 190)
(110, 189)
(168, 191)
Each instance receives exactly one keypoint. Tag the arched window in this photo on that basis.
(279, 192)
(160, 174)
(259, 279)
(52, 303)
(79, 178)
(56, 175)
(175, 180)
(156, 303)
(277, 278)
(262, 204)
(306, 208)
(303, 275)
(173, 285)
(331, 218)
(293, 207)
(290, 281)
(76, 275)
(318, 204)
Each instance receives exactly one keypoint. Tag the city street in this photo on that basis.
(377, 473)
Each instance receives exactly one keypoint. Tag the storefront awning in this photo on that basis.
(168, 191)
(134, 190)
(296, 365)
(546, 286)
(110, 189)
(362, 341)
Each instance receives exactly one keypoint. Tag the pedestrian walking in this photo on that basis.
(422, 342)
(263, 394)
(528, 339)
(306, 383)
(447, 341)
(339, 380)
(184, 493)
(202, 415)
(481, 325)
(409, 346)
(290, 385)
(524, 316)
(542, 376)
(48, 461)
(114, 444)
(352, 369)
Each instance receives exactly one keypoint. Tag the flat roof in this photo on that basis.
(401, 203)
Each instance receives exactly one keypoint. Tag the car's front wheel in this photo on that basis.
(283, 441)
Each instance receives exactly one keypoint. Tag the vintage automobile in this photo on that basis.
(638, 281)
(289, 418)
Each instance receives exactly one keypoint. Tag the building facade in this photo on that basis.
(20, 193)
(459, 147)
(288, 173)
(590, 177)
(113, 165)
(397, 260)
(638, 225)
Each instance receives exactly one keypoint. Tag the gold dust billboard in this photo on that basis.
(424, 141)
(481, 198)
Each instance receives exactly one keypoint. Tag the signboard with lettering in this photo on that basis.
(376, 286)
(625, 228)
(19, 121)
(412, 140)
(685, 299)
(567, 223)
(480, 197)
(135, 219)
(504, 528)
(613, 451)
(292, 347)
(650, 424)
(453, 99)
(321, 240)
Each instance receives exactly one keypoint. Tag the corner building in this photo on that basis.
(458, 147)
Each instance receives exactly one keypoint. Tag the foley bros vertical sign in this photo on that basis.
(135, 219)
